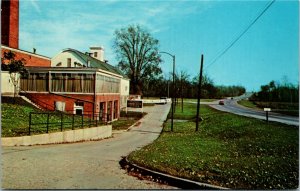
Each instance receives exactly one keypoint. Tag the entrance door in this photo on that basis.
(115, 109)
(109, 111)
(102, 111)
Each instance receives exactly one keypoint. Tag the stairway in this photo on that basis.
(29, 101)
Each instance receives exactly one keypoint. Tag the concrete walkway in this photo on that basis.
(88, 165)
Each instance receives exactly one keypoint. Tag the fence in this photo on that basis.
(43, 122)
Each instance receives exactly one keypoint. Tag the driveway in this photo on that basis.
(87, 165)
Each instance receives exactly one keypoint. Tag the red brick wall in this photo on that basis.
(30, 59)
(107, 98)
(10, 23)
(46, 98)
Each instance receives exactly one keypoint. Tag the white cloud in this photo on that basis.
(64, 26)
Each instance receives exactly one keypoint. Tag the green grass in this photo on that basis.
(127, 119)
(123, 123)
(229, 150)
(15, 119)
(248, 103)
(279, 107)
(195, 100)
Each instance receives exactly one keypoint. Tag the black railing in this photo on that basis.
(44, 122)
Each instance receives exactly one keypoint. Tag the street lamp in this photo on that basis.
(173, 94)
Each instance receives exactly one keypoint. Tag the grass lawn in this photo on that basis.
(15, 119)
(248, 103)
(127, 119)
(279, 107)
(195, 100)
(229, 150)
(123, 123)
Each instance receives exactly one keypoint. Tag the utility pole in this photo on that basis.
(181, 92)
(199, 93)
(174, 94)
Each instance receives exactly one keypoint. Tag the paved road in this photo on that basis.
(88, 165)
(233, 107)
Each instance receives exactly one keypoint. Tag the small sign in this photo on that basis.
(135, 103)
(267, 109)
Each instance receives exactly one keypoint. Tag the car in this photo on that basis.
(164, 99)
(221, 102)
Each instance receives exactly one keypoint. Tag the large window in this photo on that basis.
(70, 82)
(67, 82)
(35, 82)
(107, 84)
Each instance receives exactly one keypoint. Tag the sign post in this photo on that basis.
(267, 113)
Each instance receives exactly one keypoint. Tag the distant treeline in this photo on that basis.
(188, 88)
(277, 92)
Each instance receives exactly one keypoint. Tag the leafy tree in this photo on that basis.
(15, 67)
(278, 92)
(137, 52)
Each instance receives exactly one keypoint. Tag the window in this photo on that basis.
(77, 64)
(69, 62)
(58, 64)
(95, 54)
(35, 82)
(79, 103)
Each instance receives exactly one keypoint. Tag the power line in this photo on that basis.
(244, 31)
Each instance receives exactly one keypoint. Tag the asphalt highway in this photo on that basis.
(231, 105)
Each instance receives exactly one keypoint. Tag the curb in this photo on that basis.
(169, 179)
(128, 129)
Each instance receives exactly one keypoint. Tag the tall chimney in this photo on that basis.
(97, 52)
(10, 23)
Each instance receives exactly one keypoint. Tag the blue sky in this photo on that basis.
(269, 50)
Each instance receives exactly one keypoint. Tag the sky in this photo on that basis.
(268, 50)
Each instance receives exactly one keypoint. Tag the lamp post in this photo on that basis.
(173, 94)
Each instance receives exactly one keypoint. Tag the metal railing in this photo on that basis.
(44, 122)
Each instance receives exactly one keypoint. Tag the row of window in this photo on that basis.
(67, 82)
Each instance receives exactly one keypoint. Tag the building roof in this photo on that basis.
(95, 63)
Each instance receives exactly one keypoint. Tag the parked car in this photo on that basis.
(221, 102)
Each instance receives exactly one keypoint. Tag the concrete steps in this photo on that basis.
(29, 101)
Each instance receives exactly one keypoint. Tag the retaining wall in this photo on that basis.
(88, 134)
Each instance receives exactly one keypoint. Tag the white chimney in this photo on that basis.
(97, 52)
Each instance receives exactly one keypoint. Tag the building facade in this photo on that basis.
(77, 83)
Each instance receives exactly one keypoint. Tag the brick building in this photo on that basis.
(77, 83)
(72, 81)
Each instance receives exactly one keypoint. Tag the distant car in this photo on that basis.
(165, 99)
(221, 102)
